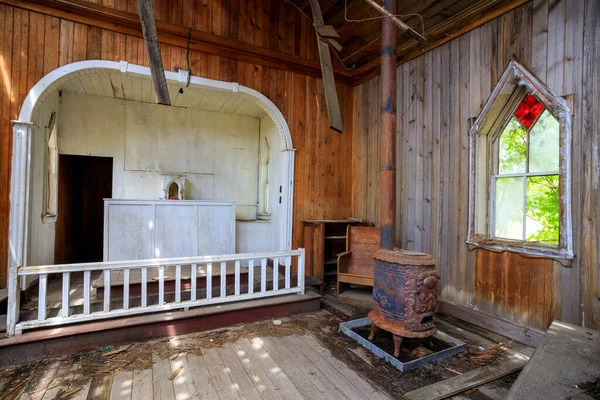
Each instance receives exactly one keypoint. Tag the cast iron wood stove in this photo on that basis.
(404, 295)
(405, 283)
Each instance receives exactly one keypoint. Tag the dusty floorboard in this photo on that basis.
(304, 357)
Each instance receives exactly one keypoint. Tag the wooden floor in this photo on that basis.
(291, 367)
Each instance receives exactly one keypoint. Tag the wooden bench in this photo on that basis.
(356, 264)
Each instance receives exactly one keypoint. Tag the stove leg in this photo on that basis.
(397, 343)
(372, 334)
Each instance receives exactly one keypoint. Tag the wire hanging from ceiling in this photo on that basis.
(374, 18)
(383, 16)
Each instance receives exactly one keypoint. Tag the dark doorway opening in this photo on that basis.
(83, 184)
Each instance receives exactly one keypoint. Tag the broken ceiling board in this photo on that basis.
(331, 99)
(151, 40)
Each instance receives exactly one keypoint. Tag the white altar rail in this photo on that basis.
(215, 266)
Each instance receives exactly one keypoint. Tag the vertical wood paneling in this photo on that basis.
(32, 45)
(558, 39)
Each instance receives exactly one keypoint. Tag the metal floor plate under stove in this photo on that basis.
(458, 346)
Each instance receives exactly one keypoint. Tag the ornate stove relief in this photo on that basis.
(173, 187)
(420, 301)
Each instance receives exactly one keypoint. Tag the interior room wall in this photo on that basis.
(41, 235)
(439, 95)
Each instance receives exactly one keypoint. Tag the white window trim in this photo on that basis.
(514, 83)
(49, 216)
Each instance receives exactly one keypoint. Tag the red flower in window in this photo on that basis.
(528, 111)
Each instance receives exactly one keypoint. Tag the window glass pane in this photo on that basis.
(528, 110)
(543, 209)
(509, 208)
(544, 144)
(512, 148)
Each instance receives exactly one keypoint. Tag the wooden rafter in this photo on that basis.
(331, 99)
(151, 40)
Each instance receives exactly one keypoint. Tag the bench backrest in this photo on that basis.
(363, 242)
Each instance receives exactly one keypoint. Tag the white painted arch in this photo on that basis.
(22, 130)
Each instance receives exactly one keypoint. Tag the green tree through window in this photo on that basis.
(527, 185)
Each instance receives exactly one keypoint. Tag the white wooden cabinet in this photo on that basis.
(144, 229)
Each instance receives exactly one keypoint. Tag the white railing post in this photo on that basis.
(178, 283)
(65, 294)
(126, 289)
(288, 262)
(276, 273)
(223, 279)
(263, 275)
(193, 277)
(106, 290)
(237, 278)
(209, 281)
(144, 287)
(250, 276)
(17, 238)
(161, 285)
(43, 285)
(301, 271)
(86, 292)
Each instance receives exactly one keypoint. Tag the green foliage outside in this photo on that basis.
(543, 202)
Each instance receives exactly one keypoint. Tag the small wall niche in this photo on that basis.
(173, 187)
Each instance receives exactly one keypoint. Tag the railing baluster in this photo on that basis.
(223, 278)
(276, 273)
(178, 283)
(65, 294)
(193, 272)
(126, 289)
(301, 271)
(43, 283)
(250, 276)
(263, 275)
(237, 278)
(106, 290)
(86, 292)
(208, 281)
(144, 279)
(288, 262)
(280, 258)
(161, 285)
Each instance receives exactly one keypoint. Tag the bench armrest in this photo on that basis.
(342, 261)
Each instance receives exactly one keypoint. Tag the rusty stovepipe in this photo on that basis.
(387, 219)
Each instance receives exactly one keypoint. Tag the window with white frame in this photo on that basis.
(50, 211)
(520, 186)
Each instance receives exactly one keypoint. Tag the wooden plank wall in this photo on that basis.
(268, 23)
(32, 45)
(439, 93)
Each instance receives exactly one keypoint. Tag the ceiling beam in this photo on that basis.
(414, 34)
(331, 99)
(111, 19)
(459, 24)
(159, 80)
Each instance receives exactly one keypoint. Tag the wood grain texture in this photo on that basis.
(42, 43)
(438, 94)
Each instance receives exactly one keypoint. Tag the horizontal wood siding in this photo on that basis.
(32, 45)
(439, 93)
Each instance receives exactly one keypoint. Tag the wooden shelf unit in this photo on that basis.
(323, 241)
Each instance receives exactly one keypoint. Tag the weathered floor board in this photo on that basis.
(296, 367)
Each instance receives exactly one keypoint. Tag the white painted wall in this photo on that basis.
(269, 232)
(41, 235)
(217, 152)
